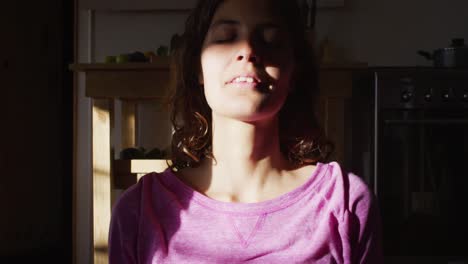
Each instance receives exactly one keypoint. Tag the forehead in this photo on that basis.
(249, 12)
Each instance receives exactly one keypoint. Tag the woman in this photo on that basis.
(246, 182)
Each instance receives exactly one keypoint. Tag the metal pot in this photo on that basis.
(455, 56)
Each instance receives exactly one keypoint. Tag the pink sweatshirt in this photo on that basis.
(332, 218)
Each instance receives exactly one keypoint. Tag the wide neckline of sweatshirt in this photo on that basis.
(187, 193)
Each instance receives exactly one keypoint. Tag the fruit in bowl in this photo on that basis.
(156, 153)
(162, 51)
(110, 59)
(122, 58)
(132, 153)
(137, 56)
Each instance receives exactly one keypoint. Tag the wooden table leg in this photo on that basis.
(101, 178)
(128, 124)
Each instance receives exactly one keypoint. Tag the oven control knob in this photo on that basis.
(446, 96)
(428, 97)
(406, 96)
(465, 96)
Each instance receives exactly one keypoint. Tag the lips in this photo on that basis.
(245, 79)
(251, 81)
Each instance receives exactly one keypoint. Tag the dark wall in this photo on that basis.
(36, 158)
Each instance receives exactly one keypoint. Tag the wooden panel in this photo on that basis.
(140, 166)
(127, 80)
(127, 84)
(128, 172)
(101, 179)
(147, 166)
(128, 124)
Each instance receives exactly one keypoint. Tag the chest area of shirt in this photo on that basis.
(228, 238)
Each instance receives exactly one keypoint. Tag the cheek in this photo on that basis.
(282, 74)
(211, 77)
(208, 69)
(273, 71)
(212, 82)
(212, 64)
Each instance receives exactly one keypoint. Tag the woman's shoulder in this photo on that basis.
(333, 175)
(342, 188)
(127, 213)
(133, 195)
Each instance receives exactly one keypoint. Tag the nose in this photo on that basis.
(247, 53)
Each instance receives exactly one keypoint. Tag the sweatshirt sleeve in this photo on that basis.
(365, 226)
(123, 230)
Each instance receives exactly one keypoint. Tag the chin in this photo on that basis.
(251, 116)
(252, 110)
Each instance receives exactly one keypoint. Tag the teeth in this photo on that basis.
(244, 79)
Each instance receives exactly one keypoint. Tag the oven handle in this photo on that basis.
(427, 122)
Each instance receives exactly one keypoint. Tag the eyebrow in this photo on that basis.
(220, 22)
(224, 22)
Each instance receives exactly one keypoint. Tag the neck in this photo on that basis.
(246, 154)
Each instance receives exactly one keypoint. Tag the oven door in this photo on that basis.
(422, 183)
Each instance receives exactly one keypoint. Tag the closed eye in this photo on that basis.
(224, 39)
(223, 31)
(272, 36)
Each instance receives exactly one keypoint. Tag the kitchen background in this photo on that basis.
(377, 32)
(380, 33)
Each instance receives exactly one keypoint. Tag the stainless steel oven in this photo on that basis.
(418, 140)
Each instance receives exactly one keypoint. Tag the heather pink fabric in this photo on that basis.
(332, 218)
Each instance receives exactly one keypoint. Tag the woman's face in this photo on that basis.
(246, 60)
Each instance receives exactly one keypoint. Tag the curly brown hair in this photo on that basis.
(301, 139)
